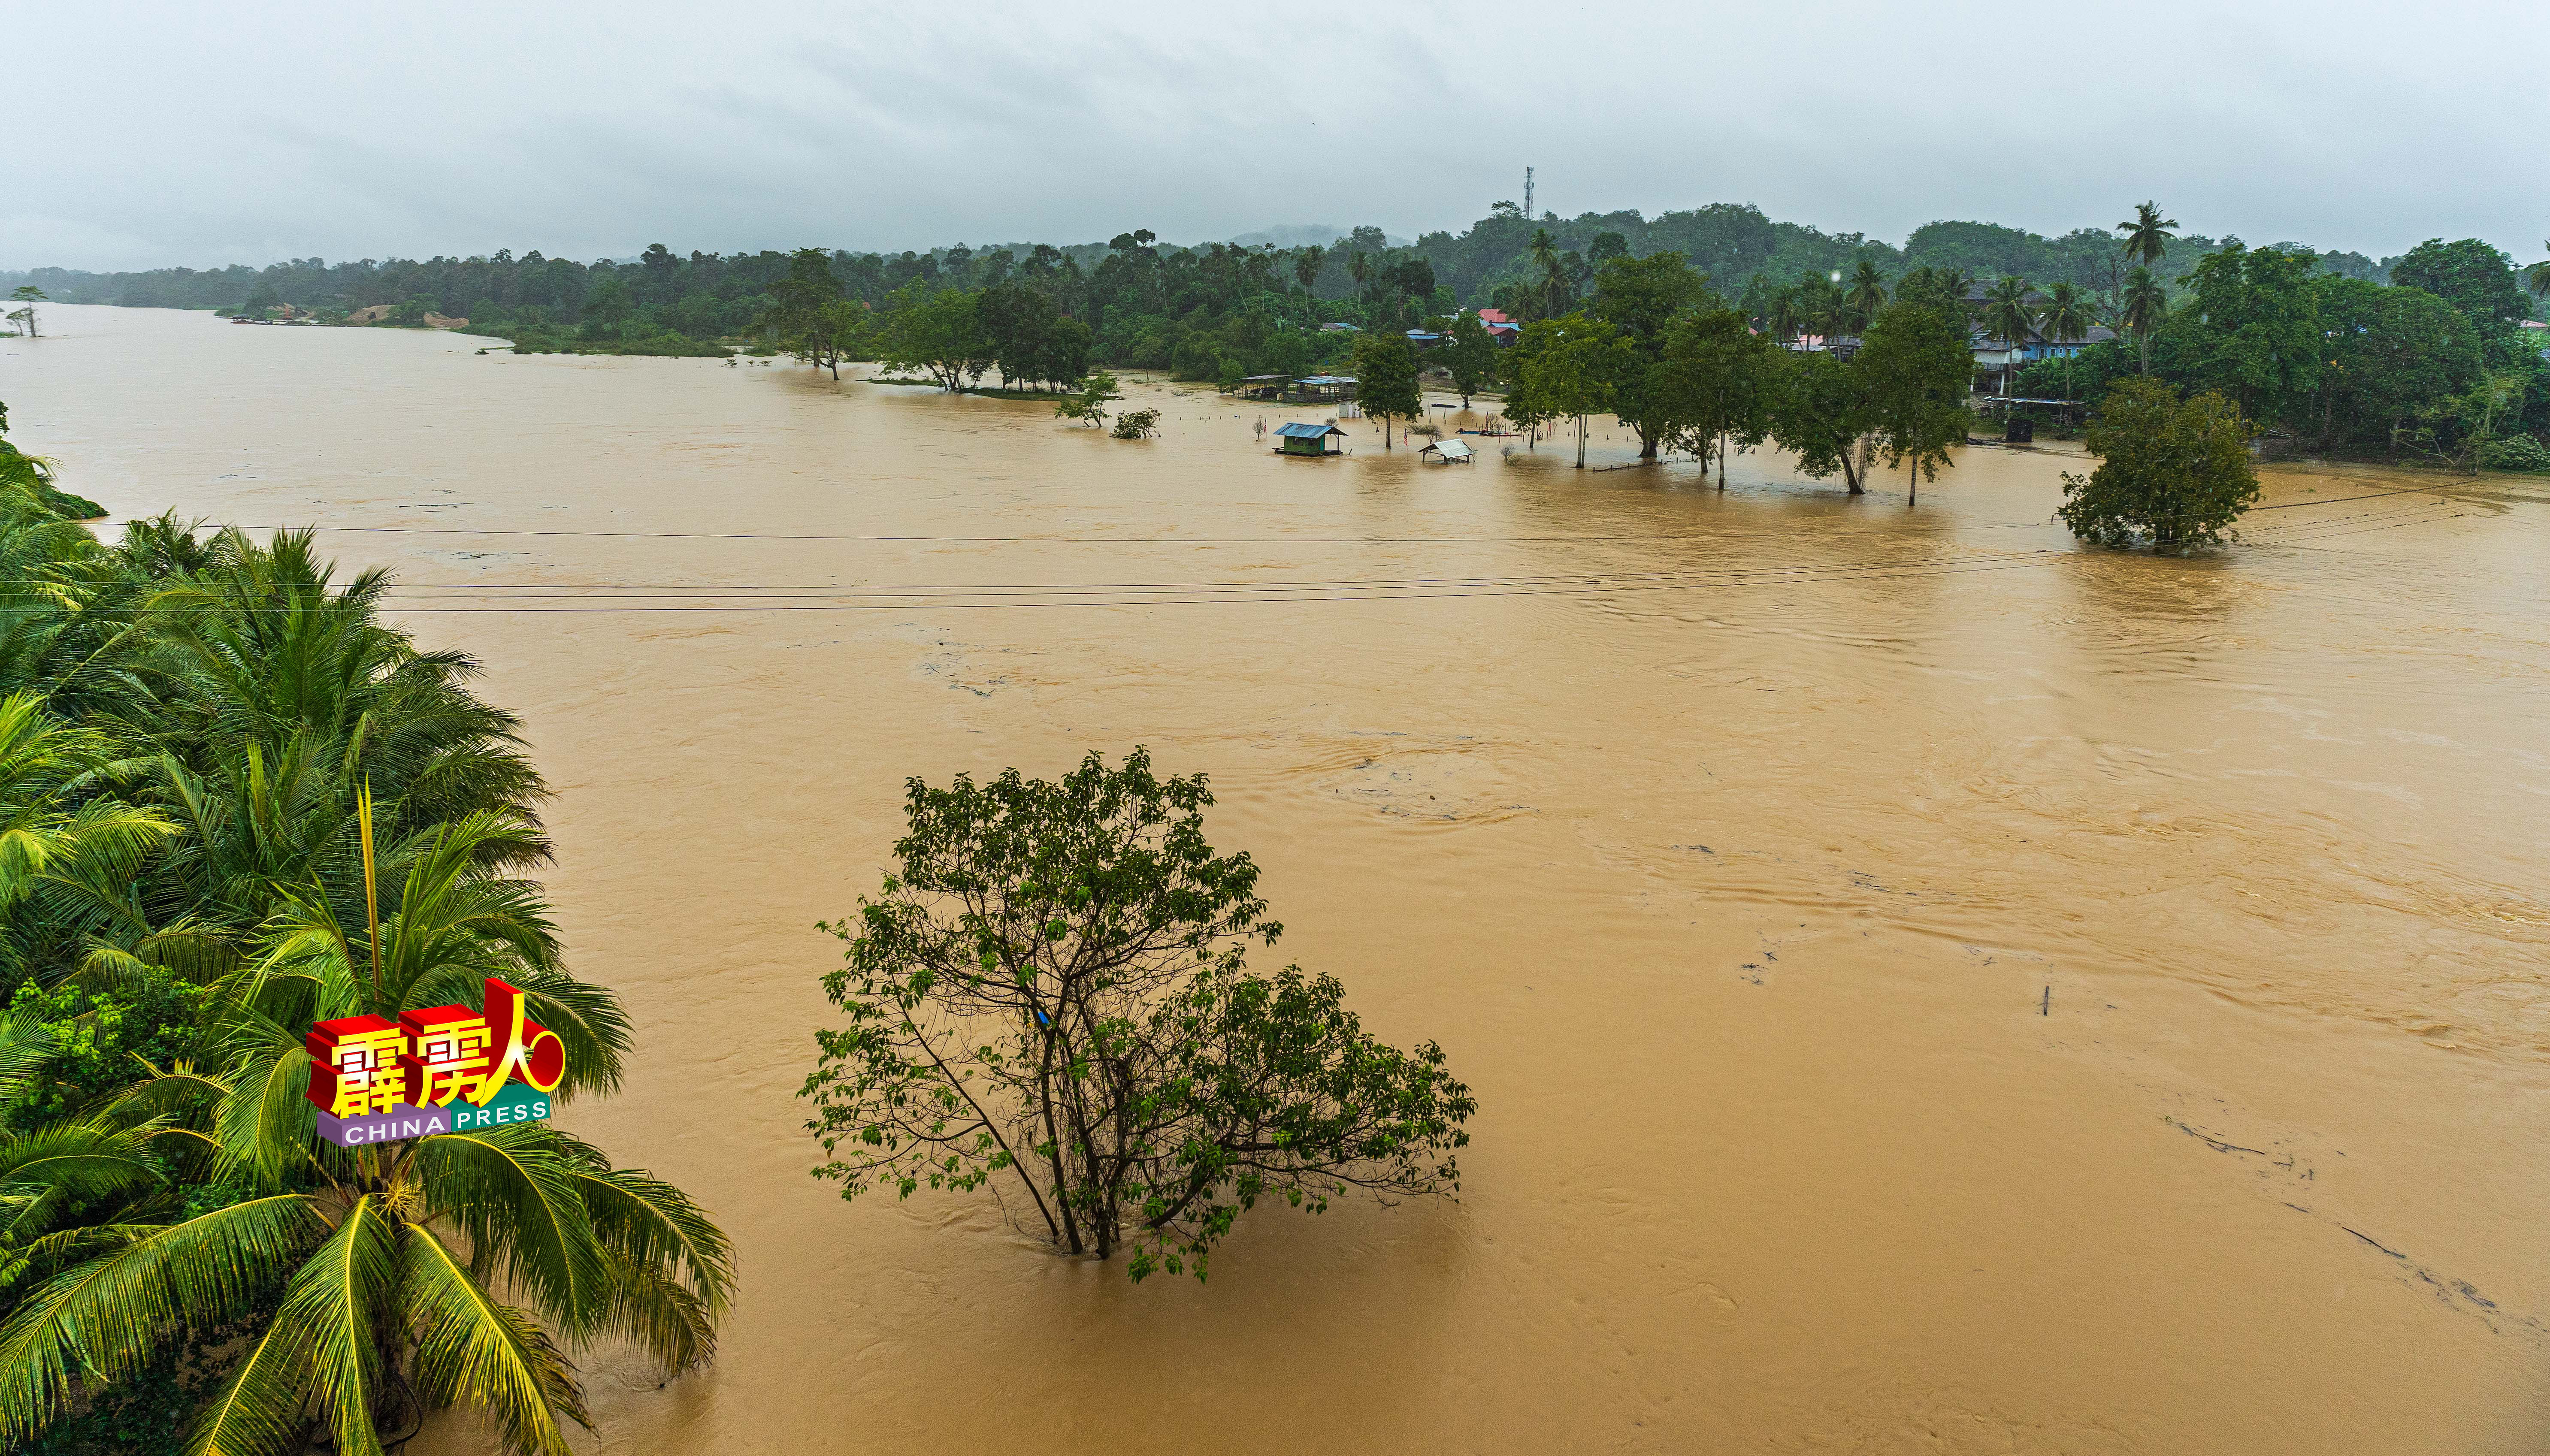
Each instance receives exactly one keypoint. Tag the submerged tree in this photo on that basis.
(1720, 376)
(2174, 472)
(939, 332)
(1915, 372)
(1820, 413)
(1567, 368)
(26, 296)
(1471, 356)
(1050, 993)
(1385, 366)
(1089, 403)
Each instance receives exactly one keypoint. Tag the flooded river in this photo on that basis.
(1928, 988)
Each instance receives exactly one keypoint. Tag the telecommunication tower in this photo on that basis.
(1526, 193)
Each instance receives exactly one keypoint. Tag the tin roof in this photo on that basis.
(1328, 379)
(1308, 431)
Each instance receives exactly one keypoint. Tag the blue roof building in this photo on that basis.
(1307, 439)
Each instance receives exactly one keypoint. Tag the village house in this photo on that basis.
(1307, 439)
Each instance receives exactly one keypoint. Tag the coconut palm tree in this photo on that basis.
(1305, 267)
(2537, 277)
(2065, 321)
(1956, 283)
(2147, 302)
(1359, 268)
(1866, 294)
(2008, 318)
(62, 1183)
(455, 1268)
(1787, 315)
(1552, 290)
(56, 826)
(2147, 235)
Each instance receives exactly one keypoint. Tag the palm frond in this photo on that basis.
(104, 1319)
(512, 1192)
(27, 1046)
(470, 1348)
(641, 1218)
(266, 1124)
(261, 1408)
(336, 1301)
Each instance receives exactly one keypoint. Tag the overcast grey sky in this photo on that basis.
(143, 135)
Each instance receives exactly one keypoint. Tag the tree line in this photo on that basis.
(235, 803)
(1198, 312)
(1651, 345)
(2431, 366)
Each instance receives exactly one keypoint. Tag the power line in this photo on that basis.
(920, 604)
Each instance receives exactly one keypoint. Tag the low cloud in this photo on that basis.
(146, 135)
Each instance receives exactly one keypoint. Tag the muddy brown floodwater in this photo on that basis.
(1729, 842)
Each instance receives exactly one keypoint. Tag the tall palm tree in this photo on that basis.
(2537, 277)
(1956, 283)
(265, 648)
(459, 1268)
(1359, 268)
(2147, 302)
(2147, 235)
(2008, 318)
(1553, 289)
(1866, 294)
(2065, 322)
(1305, 267)
(1786, 315)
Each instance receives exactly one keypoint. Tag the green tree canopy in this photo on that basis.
(2172, 473)
(1641, 299)
(937, 330)
(1721, 377)
(1050, 992)
(201, 738)
(1916, 371)
(2251, 332)
(1471, 356)
(1385, 369)
(2469, 274)
(1821, 412)
(1567, 368)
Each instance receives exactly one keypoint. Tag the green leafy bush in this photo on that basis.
(2174, 472)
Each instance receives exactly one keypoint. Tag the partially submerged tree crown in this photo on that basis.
(1052, 985)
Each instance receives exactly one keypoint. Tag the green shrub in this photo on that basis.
(2174, 472)
(2524, 453)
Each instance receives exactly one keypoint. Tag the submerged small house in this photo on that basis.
(1307, 439)
(1449, 452)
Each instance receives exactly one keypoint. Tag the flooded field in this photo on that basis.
(1928, 988)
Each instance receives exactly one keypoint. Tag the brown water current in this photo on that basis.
(1928, 988)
